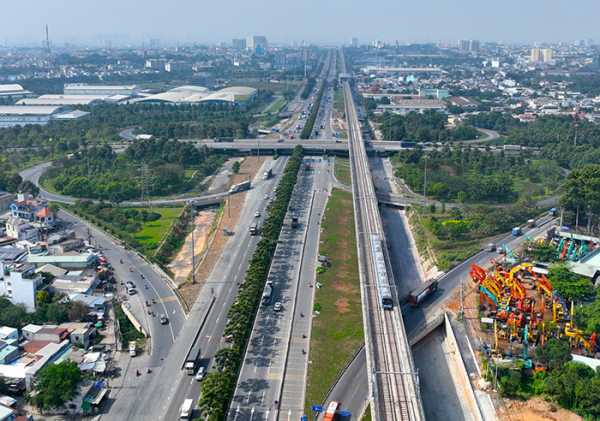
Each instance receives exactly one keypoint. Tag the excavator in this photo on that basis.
(485, 294)
(559, 307)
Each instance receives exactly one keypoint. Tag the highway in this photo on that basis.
(394, 385)
(159, 395)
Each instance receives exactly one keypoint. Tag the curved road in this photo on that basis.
(491, 135)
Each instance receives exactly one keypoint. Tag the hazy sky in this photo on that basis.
(315, 21)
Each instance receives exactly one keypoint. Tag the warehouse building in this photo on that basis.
(85, 89)
(233, 94)
(53, 99)
(14, 91)
(20, 115)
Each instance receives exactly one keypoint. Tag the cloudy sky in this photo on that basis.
(283, 21)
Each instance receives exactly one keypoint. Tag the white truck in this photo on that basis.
(186, 409)
(132, 351)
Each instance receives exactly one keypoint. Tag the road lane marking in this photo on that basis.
(248, 397)
(262, 401)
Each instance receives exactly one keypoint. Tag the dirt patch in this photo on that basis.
(229, 218)
(533, 410)
(272, 136)
(341, 256)
(181, 266)
(345, 287)
(342, 305)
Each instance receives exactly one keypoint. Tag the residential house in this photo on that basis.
(67, 245)
(26, 208)
(464, 103)
(70, 260)
(6, 200)
(21, 284)
(21, 229)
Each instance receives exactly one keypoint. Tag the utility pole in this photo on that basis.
(193, 251)
(462, 297)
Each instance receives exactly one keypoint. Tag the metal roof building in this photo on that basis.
(83, 89)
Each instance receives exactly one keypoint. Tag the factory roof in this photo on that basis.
(60, 101)
(189, 88)
(31, 109)
(100, 87)
(241, 90)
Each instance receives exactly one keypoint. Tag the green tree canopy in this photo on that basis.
(55, 385)
(554, 353)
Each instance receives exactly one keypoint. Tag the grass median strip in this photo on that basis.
(342, 171)
(337, 331)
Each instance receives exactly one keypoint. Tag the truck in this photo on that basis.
(240, 187)
(307, 166)
(192, 361)
(294, 221)
(267, 293)
(424, 291)
(267, 174)
(512, 148)
(132, 348)
(516, 231)
(531, 223)
(254, 228)
(223, 139)
(186, 409)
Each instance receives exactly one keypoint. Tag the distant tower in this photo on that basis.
(145, 199)
(48, 53)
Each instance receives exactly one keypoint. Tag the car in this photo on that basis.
(266, 197)
(130, 284)
(200, 374)
(277, 306)
(130, 291)
(271, 200)
(163, 319)
(257, 214)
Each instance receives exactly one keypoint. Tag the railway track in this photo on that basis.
(393, 381)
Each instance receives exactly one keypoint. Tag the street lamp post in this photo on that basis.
(193, 257)
(425, 186)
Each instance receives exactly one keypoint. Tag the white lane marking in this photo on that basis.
(248, 397)
(255, 365)
(269, 370)
(262, 401)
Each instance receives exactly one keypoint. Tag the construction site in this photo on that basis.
(519, 309)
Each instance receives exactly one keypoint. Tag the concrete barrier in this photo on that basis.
(429, 327)
(466, 386)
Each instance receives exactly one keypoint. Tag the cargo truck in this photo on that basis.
(186, 409)
(223, 139)
(267, 174)
(424, 291)
(240, 187)
(254, 228)
(267, 293)
(192, 361)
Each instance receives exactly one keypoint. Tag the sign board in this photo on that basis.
(487, 320)
(313, 159)
(303, 418)
(317, 408)
(336, 135)
(319, 159)
(328, 159)
(345, 414)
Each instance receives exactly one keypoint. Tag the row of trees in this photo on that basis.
(100, 173)
(312, 118)
(218, 387)
(416, 127)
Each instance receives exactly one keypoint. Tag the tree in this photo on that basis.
(461, 197)
(54, 208)
(43, 296)
(79, 311)
(235, 167)
(554, 353)
(569, 285)
(455, 213)
(3, 386)
(55, 384)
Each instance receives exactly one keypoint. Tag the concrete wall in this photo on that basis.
(133, 320)
(465, 386)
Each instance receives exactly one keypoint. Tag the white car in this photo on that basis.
(257, 214)
(277, 306)
(266, 197)
(200, 374)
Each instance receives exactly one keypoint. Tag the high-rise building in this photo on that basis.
(589, 42)
(254, 41)
(156, 64)
(353, 42)
(177, 66)
(239, 44)
(305, 54)
(464, 45)
(535, 55)
(473, 46)
(280, 60)
(547, 54)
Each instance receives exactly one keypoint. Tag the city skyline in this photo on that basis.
(122, 24)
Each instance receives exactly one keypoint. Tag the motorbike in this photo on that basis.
(130, 270)
(145, 286)
(143, 277)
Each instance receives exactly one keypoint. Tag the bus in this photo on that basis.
(331, 413)
(254, 228)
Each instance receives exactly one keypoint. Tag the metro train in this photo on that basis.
(385, 290)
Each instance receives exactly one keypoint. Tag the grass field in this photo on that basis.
(338, 99)
(153, 231)
(277, 106)
(342, 171)
(337, 331)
